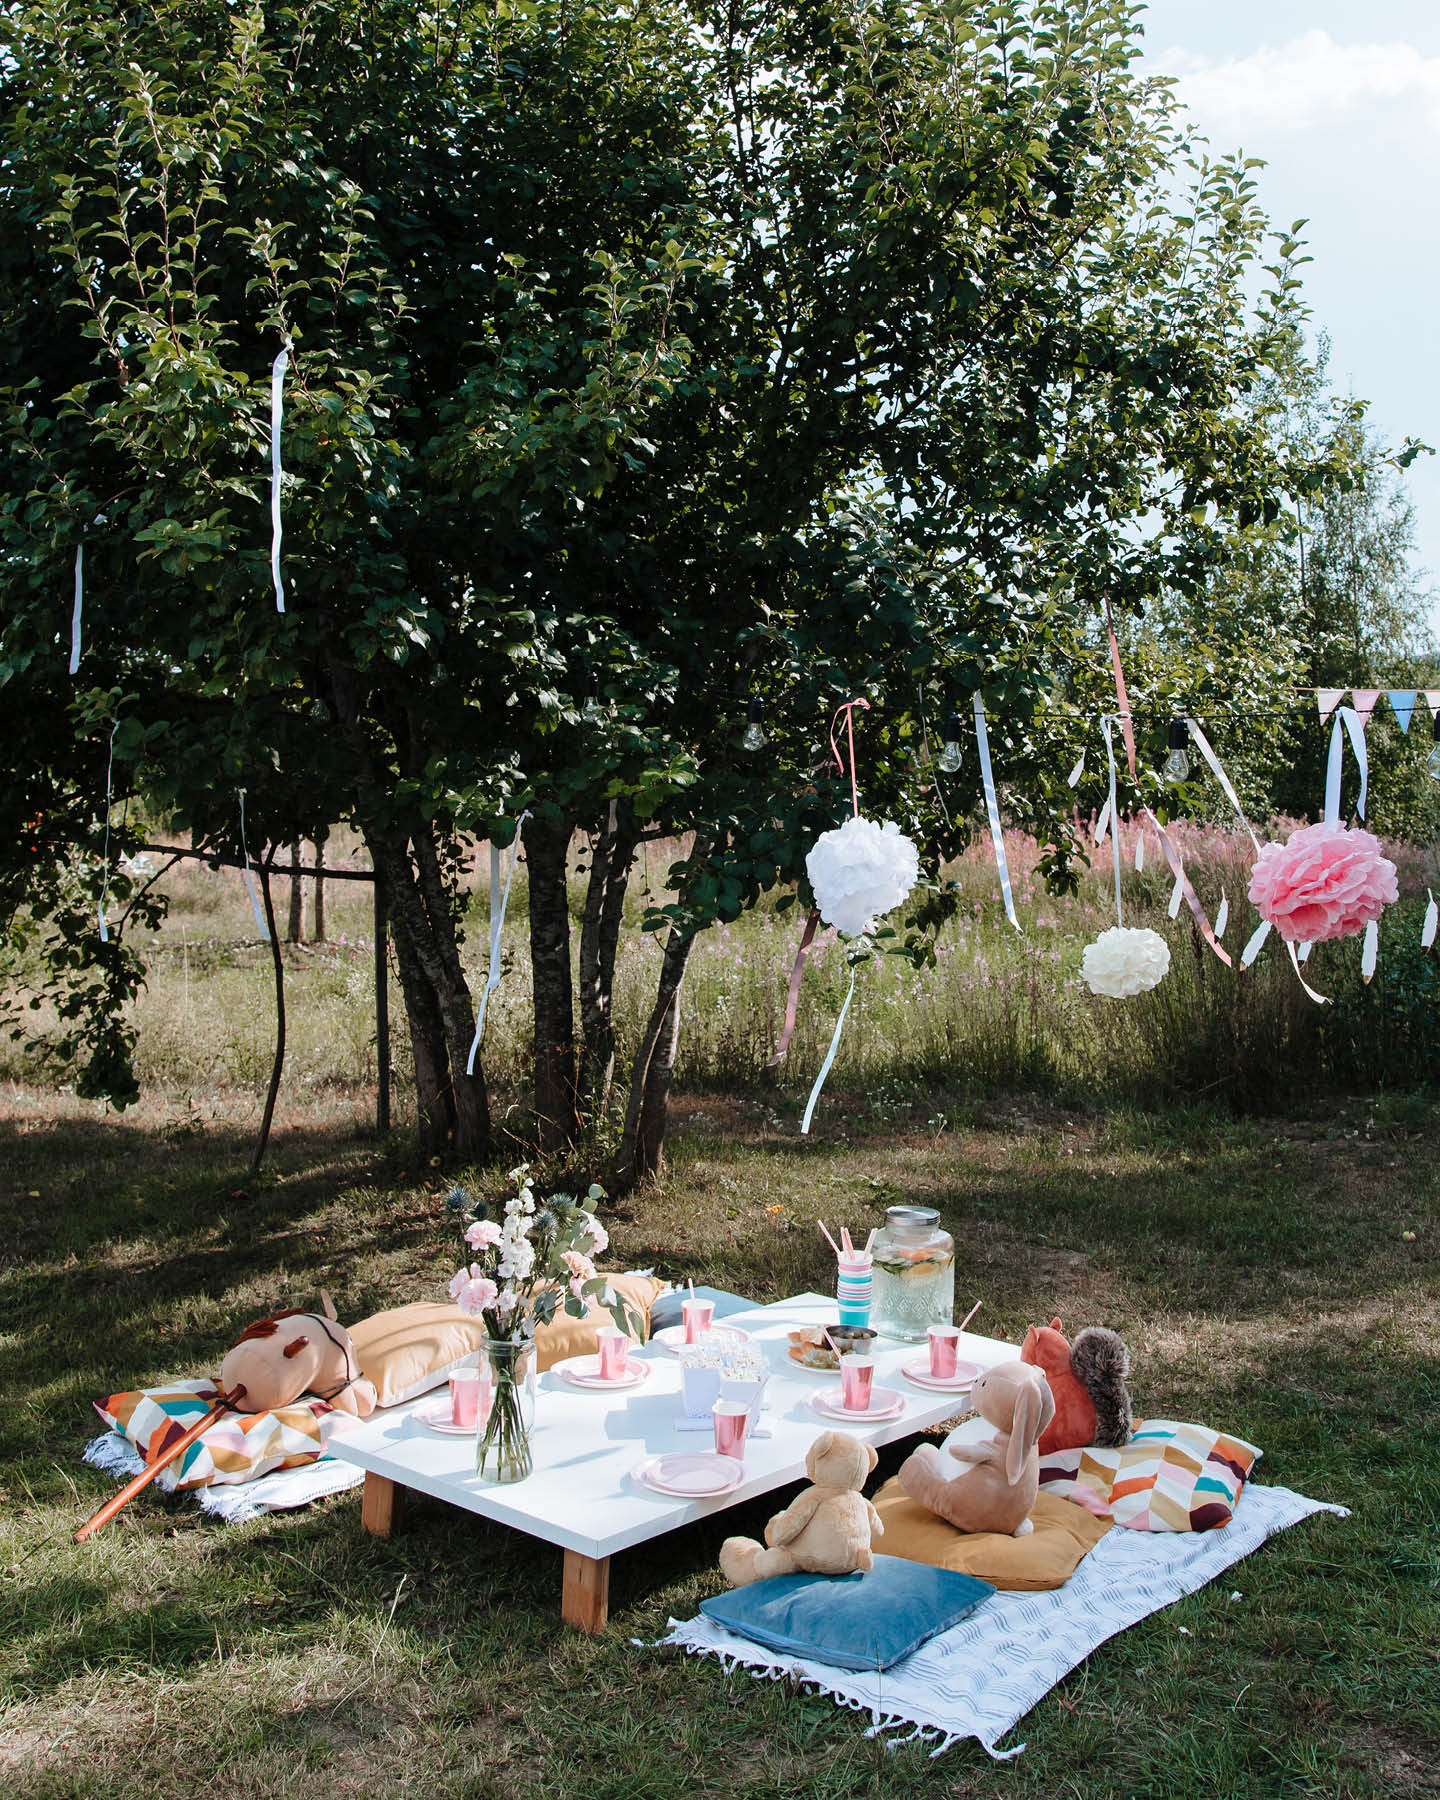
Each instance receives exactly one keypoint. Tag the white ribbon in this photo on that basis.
(997, 835)
(829, 1061)
(1139, 851)
(1347, 716)
(1432, 917)
(78, 609)
(1177, 894)
(277, 413)
(1371, 951)
(105, 854)
(497, 925)
(1222, 918)
(1073, 778)
(1112, 812)
(1102, 824)
(1255, 944)
(249, 879)
(1202, 744)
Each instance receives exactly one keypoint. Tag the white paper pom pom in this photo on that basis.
(1124, 961)
(860, 872)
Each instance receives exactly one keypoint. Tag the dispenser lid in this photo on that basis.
(911, 1222)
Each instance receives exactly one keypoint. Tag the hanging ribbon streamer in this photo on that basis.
(105, 853)
(277, 413)
(77, 610)
(829, 1061)
(1113, 810)
(1073, 778)
(792, 997)
(1177, 894)
(1371, 950)
(849, 711)
(1222, 917)
(992, 808)
(497, 925)
(1432, 918)
(249, 879)
(1139, 852)
(1255, 944)
(1102, 824)
(1350, 719)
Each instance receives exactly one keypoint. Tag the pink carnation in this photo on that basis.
(482, 1234)
(1326, 881)
(473, 1291)
(600, 1236)
(579, 1265)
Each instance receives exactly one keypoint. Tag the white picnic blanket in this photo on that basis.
(978, 1678)
(235, 1502)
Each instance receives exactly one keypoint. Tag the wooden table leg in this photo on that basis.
(381, 1505)
(585, 1592)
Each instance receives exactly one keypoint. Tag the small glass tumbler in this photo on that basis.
(732, 1418)
(614, 1351)
(944, 1349)
(857, 1377)
(854, 1288)
(698, 1315)
(465, 1398)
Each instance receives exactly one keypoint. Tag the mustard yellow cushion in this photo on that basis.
(1044, 1558)
(408, 1350)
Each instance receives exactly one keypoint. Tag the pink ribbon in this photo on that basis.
(849, 711)
(792, 1000)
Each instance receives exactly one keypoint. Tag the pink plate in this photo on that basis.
(584, 1372)
(439, 1418)
(691, 1476)
(718, 1337)
(966, 1373)
(885, 1403)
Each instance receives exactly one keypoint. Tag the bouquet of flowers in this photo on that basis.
(539, 1259)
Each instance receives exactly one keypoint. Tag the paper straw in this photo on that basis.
(970, 1315)
(845, 1240)
(870, 1241)
(829, 1240)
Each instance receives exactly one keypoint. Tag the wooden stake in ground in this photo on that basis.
(226, 1403)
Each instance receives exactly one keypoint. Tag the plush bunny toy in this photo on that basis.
(997, 1478)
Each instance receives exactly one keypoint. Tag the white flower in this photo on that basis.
(516, 1260)
(1125, 960)
(861, 871)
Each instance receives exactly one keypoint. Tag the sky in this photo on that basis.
(1342, 100)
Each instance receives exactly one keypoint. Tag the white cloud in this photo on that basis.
(1309, 82)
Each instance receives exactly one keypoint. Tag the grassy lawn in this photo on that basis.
(1257, 1268)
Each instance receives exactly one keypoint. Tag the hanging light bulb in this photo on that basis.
(591, 709)
(1432, 761)
(950, 758)
(755, 738)
(1176, 767)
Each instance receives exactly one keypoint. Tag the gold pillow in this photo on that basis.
(1044, 1558)
(411, 1349)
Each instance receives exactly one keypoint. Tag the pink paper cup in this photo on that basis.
(857, 1377)
(732, 1419)
(465, 1398)
(944, 1349)
(698, 1315)
(614, 1350)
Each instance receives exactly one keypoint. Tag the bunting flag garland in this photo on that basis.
(1328, 699)
(1432, 918)
(499, 901)
(1432, 696)
(1364, 701)
(78, 608)
(249, 879)
(105, 853)
(992, 808)
(1402, 704)
(277, 412)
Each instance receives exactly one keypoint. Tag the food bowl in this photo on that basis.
(810, 1349)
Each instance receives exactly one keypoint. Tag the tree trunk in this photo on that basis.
(648, 1104)
(297, 898)
(469, 1099)
(557, 1112)
(434, 1111)
(612, 857)
(318, 915)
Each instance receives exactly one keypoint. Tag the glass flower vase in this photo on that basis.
(502, 1444)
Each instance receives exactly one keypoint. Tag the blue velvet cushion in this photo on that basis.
(666, 1310)
(860, 1621)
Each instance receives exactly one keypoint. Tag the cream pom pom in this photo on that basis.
(860, 872)
(1125, 960)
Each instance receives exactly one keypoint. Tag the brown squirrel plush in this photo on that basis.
(826, 1530)
(277, 1360)
(1087, 1382)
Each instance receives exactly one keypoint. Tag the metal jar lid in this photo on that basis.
(909, 1224)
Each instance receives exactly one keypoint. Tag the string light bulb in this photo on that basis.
(755, 738)
(1176, 767)
(1432, 761)
(950, 756)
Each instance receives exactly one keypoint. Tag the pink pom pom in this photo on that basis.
(1326, 881)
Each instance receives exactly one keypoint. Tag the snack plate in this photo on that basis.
(584, 1372)
(885, 1403)
(696, 1475)
(439, 1418)
(965, 1376)
(718, 1337)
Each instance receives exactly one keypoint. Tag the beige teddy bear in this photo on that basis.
(827, 1530)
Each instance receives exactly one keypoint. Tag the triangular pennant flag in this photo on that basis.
(1364, 700)
(1371, 950)
(1402, 701)
(1433, 696)
(1328, 699)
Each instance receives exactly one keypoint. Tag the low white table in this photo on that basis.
(581, 1494)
